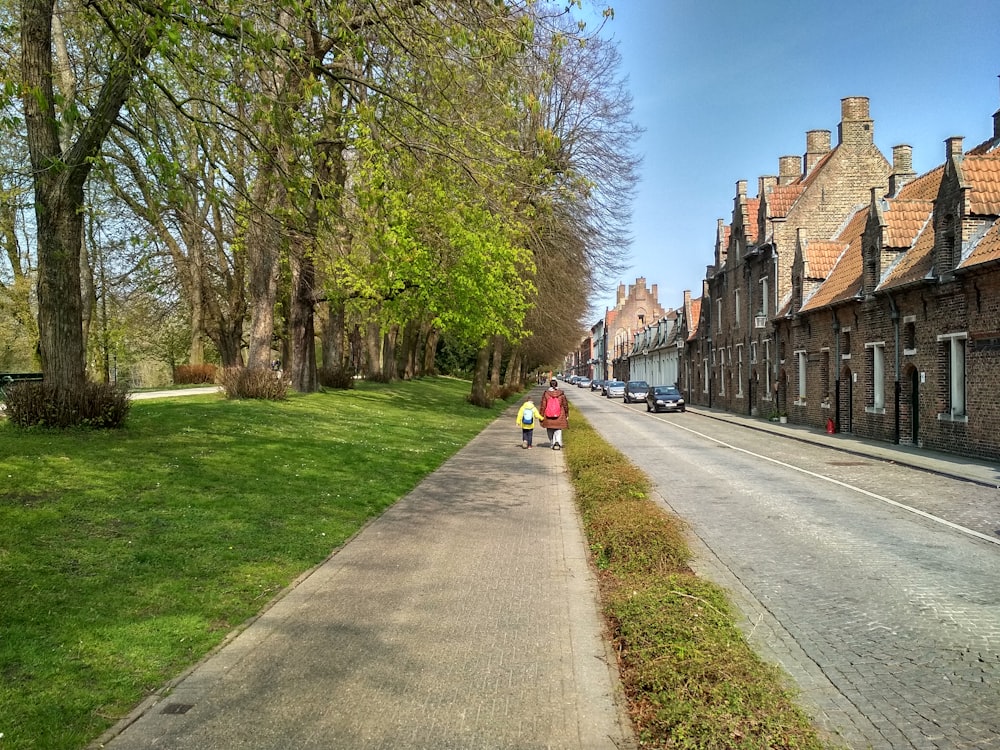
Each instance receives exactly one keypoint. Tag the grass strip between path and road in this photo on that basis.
(690, 677)
(127, 555)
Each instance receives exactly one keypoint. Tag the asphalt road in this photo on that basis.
(874, 585)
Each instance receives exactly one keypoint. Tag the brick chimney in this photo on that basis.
(856, 127)
(902, 168)
(953, 148)
(817, 146)
(789, 169)
(620, 300)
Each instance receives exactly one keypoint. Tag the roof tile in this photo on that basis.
(987, 249)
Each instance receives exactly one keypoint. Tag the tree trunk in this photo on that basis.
(373, 352)
(59, 176)
(430, 350)
(332, 335)
(479, 396)
(264, 258)
(301, 324)
(497, 362)
(512, 378)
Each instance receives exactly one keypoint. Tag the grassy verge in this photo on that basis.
(691, 679)
(127, 555)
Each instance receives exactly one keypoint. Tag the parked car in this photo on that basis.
(635, 391)
(595, 384)
(664, 398)
(583, 383)
(615, 389)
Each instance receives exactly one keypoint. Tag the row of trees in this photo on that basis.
(362, 176)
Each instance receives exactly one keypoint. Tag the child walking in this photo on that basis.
(527, 417)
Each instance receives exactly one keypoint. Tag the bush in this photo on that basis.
(335, 377)
(256, 382)
(191, 374)
(100, 405)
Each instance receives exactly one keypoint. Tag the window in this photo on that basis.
(910, 335)
(736, 306)
(845, 343)
(767, 369)
(876, 364)
(739, 370)
(763, 296)
(753, 352)
(722, 371)
(708, 372)
(953, 354)
(803, 359)
(824, 376)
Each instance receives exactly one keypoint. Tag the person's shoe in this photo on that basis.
(557, 447)
(524, 443)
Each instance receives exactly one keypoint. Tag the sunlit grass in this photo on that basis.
(127, 555)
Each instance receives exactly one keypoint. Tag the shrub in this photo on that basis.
(100, 405)
(254, 382)
(335, 377)
(189, 374)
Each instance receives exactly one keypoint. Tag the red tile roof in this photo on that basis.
(982, 174)
(915, 264)
(781, 199)
(822, 255)
(986, 250)
(695, 319)
(844, 280)
(904, 221)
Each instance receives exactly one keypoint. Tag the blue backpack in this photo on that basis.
(528, 416)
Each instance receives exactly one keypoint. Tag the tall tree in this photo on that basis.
(60, 171)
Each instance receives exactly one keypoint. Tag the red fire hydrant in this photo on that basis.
(829, 426)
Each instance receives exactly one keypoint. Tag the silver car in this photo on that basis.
(615, 389)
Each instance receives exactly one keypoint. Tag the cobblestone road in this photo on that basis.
(888, 620)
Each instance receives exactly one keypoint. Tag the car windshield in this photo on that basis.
(667, 391)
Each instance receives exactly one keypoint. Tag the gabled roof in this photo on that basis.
(904, 221)
(982, 174)
(915, 264)
(781, 198)
(844, 281)
(822, 255)
(695, 319)
(986, 250)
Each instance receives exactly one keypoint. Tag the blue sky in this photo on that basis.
(724, 87)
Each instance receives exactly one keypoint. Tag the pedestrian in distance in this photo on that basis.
(527, 417)
(555, 413)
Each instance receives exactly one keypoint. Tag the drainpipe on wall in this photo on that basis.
(836, 365)
(894, 312)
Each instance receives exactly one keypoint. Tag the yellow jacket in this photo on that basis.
(535, 414)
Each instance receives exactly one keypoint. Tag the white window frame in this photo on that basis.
(955, 376)
(736, 306)
(803, 359)
(767, 369)
(763, 297)
(739, 371)
(878, 376)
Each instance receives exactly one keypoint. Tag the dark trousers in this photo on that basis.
(526, 435)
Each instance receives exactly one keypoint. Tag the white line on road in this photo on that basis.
(888, 501)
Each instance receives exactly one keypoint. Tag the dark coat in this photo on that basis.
(555, 423)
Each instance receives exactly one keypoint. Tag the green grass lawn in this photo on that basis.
(127, 555)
